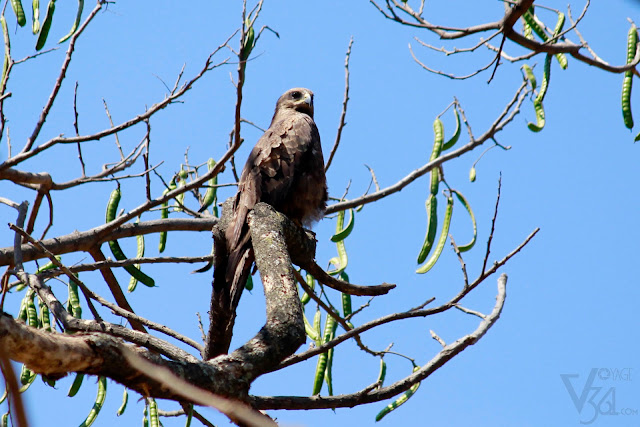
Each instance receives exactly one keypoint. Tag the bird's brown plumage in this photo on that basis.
(286, 170)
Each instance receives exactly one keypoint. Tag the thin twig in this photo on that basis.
(124, 125)
(469, 311)
(61, 76)
(456, 50)
(462, 263)
(493, 226)
(75, 127)
(437, 338)
(145, 158)
(345, 101)
(291, 360)
(497, 59)
(451, 76)
(50, 224)
(353, 399)
(117, 139)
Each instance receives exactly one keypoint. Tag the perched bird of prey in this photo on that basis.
(286, 170)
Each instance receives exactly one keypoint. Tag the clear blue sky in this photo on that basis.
(572, 293)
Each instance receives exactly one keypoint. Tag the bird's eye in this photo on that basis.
(296, 95)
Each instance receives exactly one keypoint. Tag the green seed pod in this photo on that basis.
(456, 135)
(125, 400)
(311, 283)
(16, 5)
(75, 386)
(46, 25)
(432, 225)
(76, 23)
(116, 250)
(537, 103)
(441, 241)
(35, 8)
(467, 206)
(97, 405)
(400, 400)
(210, 197)
(164, 214)
(632, 42)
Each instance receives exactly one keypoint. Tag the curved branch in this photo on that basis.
(368, 396)
(450, 33)
(415, 312)
(510, 111)
(342, 286)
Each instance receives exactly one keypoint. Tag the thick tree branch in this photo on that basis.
(70, 323)
(283, 331)
(228, 375)
(271, 246)
(101, 354)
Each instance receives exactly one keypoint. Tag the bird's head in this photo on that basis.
(298, 99)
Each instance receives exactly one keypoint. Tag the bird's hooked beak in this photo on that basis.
(308, 99)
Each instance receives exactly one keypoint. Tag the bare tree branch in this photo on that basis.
(507, 115)
(58, 83)
(29, 152)
(505, 26)
(83, 241)
(16, 406)
(343, 115)
(407, 314)
(350, 400)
